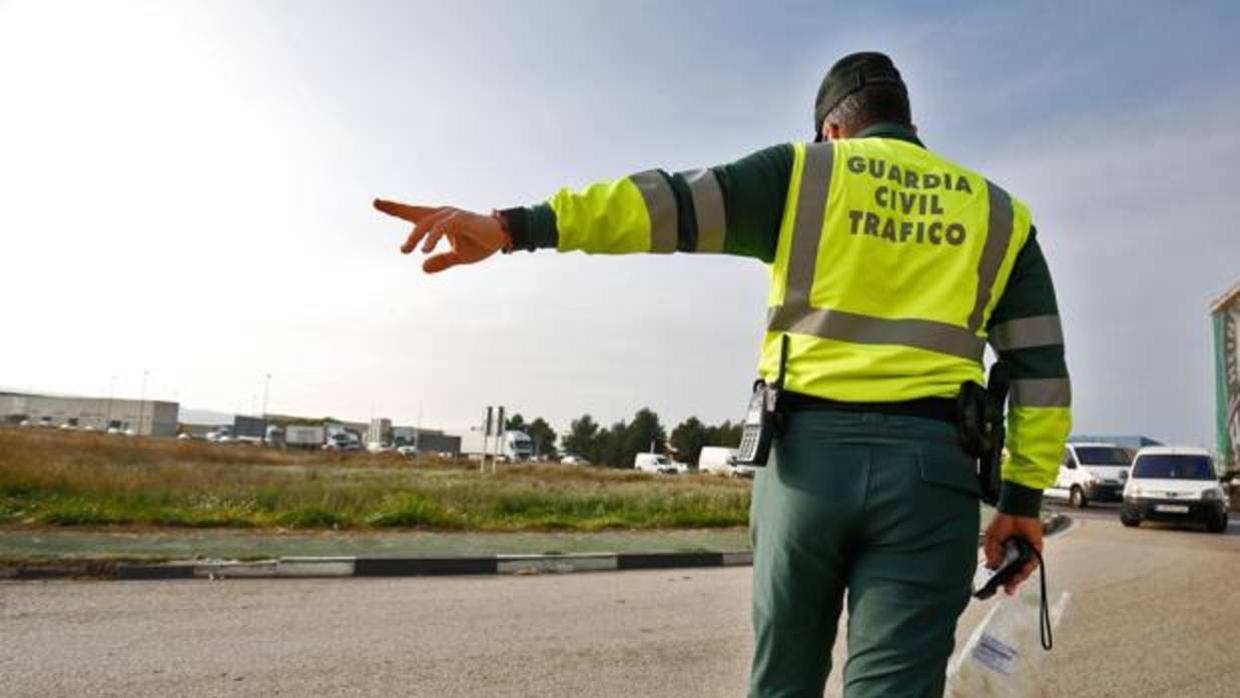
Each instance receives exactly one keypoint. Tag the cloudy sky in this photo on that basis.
(185, 188)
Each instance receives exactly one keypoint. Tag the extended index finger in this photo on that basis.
(413, 214)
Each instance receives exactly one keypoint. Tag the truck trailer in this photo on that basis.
(302, 436)
(512, 446)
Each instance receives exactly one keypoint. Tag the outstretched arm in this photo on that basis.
(731, 209)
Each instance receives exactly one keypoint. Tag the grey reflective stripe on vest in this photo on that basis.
(807, 228)
(797, 315)
(661, 206)
(998, 237)
(708, 209)
(1041, 392)
(1026, 332)
(863, 329)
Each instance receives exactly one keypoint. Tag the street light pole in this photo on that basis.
(266, 388)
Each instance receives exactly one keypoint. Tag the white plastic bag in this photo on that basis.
(1004, 655)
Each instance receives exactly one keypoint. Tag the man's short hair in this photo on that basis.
(870, 105)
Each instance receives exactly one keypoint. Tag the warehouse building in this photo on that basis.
(145, 417)
(1130, 441)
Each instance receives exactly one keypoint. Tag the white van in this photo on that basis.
(722, 461)
(1091, 472)
(654, 463)
(1175, 484)
(716, 460)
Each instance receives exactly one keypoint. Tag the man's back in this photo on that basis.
(891, 269)
(893, 257)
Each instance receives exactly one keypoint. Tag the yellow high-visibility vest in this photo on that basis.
(890, 261)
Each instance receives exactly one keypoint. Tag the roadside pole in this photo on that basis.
(266, 388)
(500, 428)
(486, 441)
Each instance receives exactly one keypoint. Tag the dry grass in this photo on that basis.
(76, 479)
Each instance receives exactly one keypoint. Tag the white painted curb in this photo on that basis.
(560, 564)
(314, 567)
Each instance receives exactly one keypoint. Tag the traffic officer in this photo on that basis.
(891, 269)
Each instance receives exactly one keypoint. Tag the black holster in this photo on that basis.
(980, 424)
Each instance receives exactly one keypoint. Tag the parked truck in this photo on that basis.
(509, 446)
(249, 429)
(302, 436)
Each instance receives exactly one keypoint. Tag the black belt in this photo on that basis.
(940, 408)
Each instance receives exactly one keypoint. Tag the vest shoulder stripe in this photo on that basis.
(864, 329)
(660, 206)
(807, 227)
(998, 237)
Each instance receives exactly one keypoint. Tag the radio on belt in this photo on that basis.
(762, 415)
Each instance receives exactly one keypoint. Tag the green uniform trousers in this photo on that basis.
(882, 507)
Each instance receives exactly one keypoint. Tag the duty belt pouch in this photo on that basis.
(971, 420)
(980, 421)
(762, 416)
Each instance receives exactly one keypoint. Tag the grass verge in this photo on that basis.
(91, 480)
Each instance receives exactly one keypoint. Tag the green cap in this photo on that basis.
(850, 74)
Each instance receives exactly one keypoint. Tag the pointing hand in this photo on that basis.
(472, 236)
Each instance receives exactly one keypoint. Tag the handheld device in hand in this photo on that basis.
(1016, 554)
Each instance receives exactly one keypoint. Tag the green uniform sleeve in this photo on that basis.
(730, 209)
(1025, 332)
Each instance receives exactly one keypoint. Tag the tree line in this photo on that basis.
(616, 445)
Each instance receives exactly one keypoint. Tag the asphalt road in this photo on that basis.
(1153, 614)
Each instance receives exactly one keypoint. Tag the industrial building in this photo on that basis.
(1225, 319)
(144, 417)
(1129, 441)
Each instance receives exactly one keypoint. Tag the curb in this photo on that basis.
(330, 567)
(326, 567)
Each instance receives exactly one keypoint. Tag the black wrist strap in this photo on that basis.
(1044, 614)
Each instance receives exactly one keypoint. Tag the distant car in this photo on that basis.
(1175, 484)
(654, 463)
(341, 441)
(574, 460)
